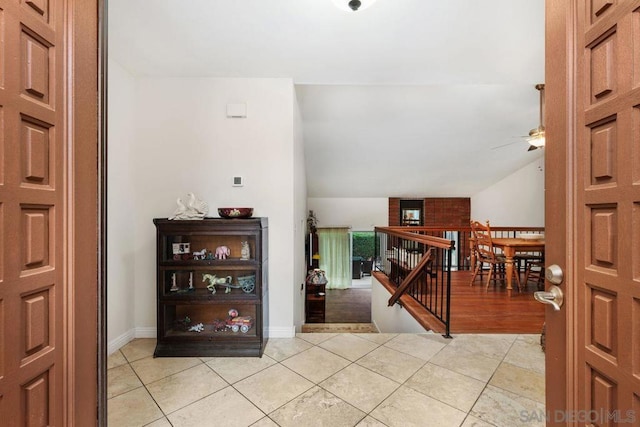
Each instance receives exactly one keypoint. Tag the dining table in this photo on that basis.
(512, 245)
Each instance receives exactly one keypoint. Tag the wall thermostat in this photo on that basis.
(237, 111)
(237, 181)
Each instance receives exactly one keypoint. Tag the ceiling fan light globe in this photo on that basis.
(353, 5)
(537, 141)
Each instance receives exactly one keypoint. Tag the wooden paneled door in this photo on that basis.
(48, 212)
(593, 211)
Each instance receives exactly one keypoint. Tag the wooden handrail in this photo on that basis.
(414, 229)
(402, 232)
(426, 259)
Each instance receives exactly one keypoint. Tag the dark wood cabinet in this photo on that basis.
(193, 320)
(315, 296)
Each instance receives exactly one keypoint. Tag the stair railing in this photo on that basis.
(419, 267)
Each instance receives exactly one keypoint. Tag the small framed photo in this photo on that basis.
(181, 248)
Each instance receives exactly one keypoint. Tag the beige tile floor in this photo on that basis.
(335, 380)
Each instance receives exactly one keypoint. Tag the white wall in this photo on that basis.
(300, 215)
(188, 144)
(184, 142)
(121, 203)
(393, 319)
(517, 200)
(362, 214)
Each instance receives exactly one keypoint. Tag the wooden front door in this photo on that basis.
(593, 211)
(48, 213)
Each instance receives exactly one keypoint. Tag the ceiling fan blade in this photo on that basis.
(505, 145)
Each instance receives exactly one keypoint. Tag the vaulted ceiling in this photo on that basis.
(405, 98)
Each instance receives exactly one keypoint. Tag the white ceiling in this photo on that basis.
(405, 98)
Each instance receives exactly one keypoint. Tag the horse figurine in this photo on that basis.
(215, 280)
(200, 254)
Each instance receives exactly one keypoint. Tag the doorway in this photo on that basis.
(353, 305)
(362, 255)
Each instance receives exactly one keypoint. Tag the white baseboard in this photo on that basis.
(150, 332)
(282, 332)
(146, 332)
(119, 342)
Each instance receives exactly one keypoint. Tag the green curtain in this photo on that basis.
(335, 256)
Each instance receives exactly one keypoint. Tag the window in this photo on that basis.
(411, 212)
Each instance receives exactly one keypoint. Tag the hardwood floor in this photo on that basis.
(473, 308)
(478, 310)
(348, 306)
(340, 328)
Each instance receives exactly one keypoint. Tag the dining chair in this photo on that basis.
(523, 259)
(486, 253)
(478, 268)
(478, 265)
(534, 270)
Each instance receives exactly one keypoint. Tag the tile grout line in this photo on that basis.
(366, 414)
(386, 345)
(487, 384)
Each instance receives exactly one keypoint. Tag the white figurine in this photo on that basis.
(197, 328)
(200, 254)
(180, 210)
(174, 286)
(197, 207)
(245, 252)
(194, 209)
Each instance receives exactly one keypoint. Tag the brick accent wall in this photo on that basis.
(437, 211)
(394, 212)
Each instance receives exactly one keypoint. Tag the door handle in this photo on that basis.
(553, 297)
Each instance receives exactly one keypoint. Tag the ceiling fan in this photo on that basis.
(536, 137)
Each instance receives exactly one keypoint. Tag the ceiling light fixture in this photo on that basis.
(353, 5)
(536, 136)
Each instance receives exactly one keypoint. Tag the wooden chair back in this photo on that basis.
(483, 242)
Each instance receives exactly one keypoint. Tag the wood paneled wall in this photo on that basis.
(437, 211)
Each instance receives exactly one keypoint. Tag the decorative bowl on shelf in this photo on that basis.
(235, 212)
